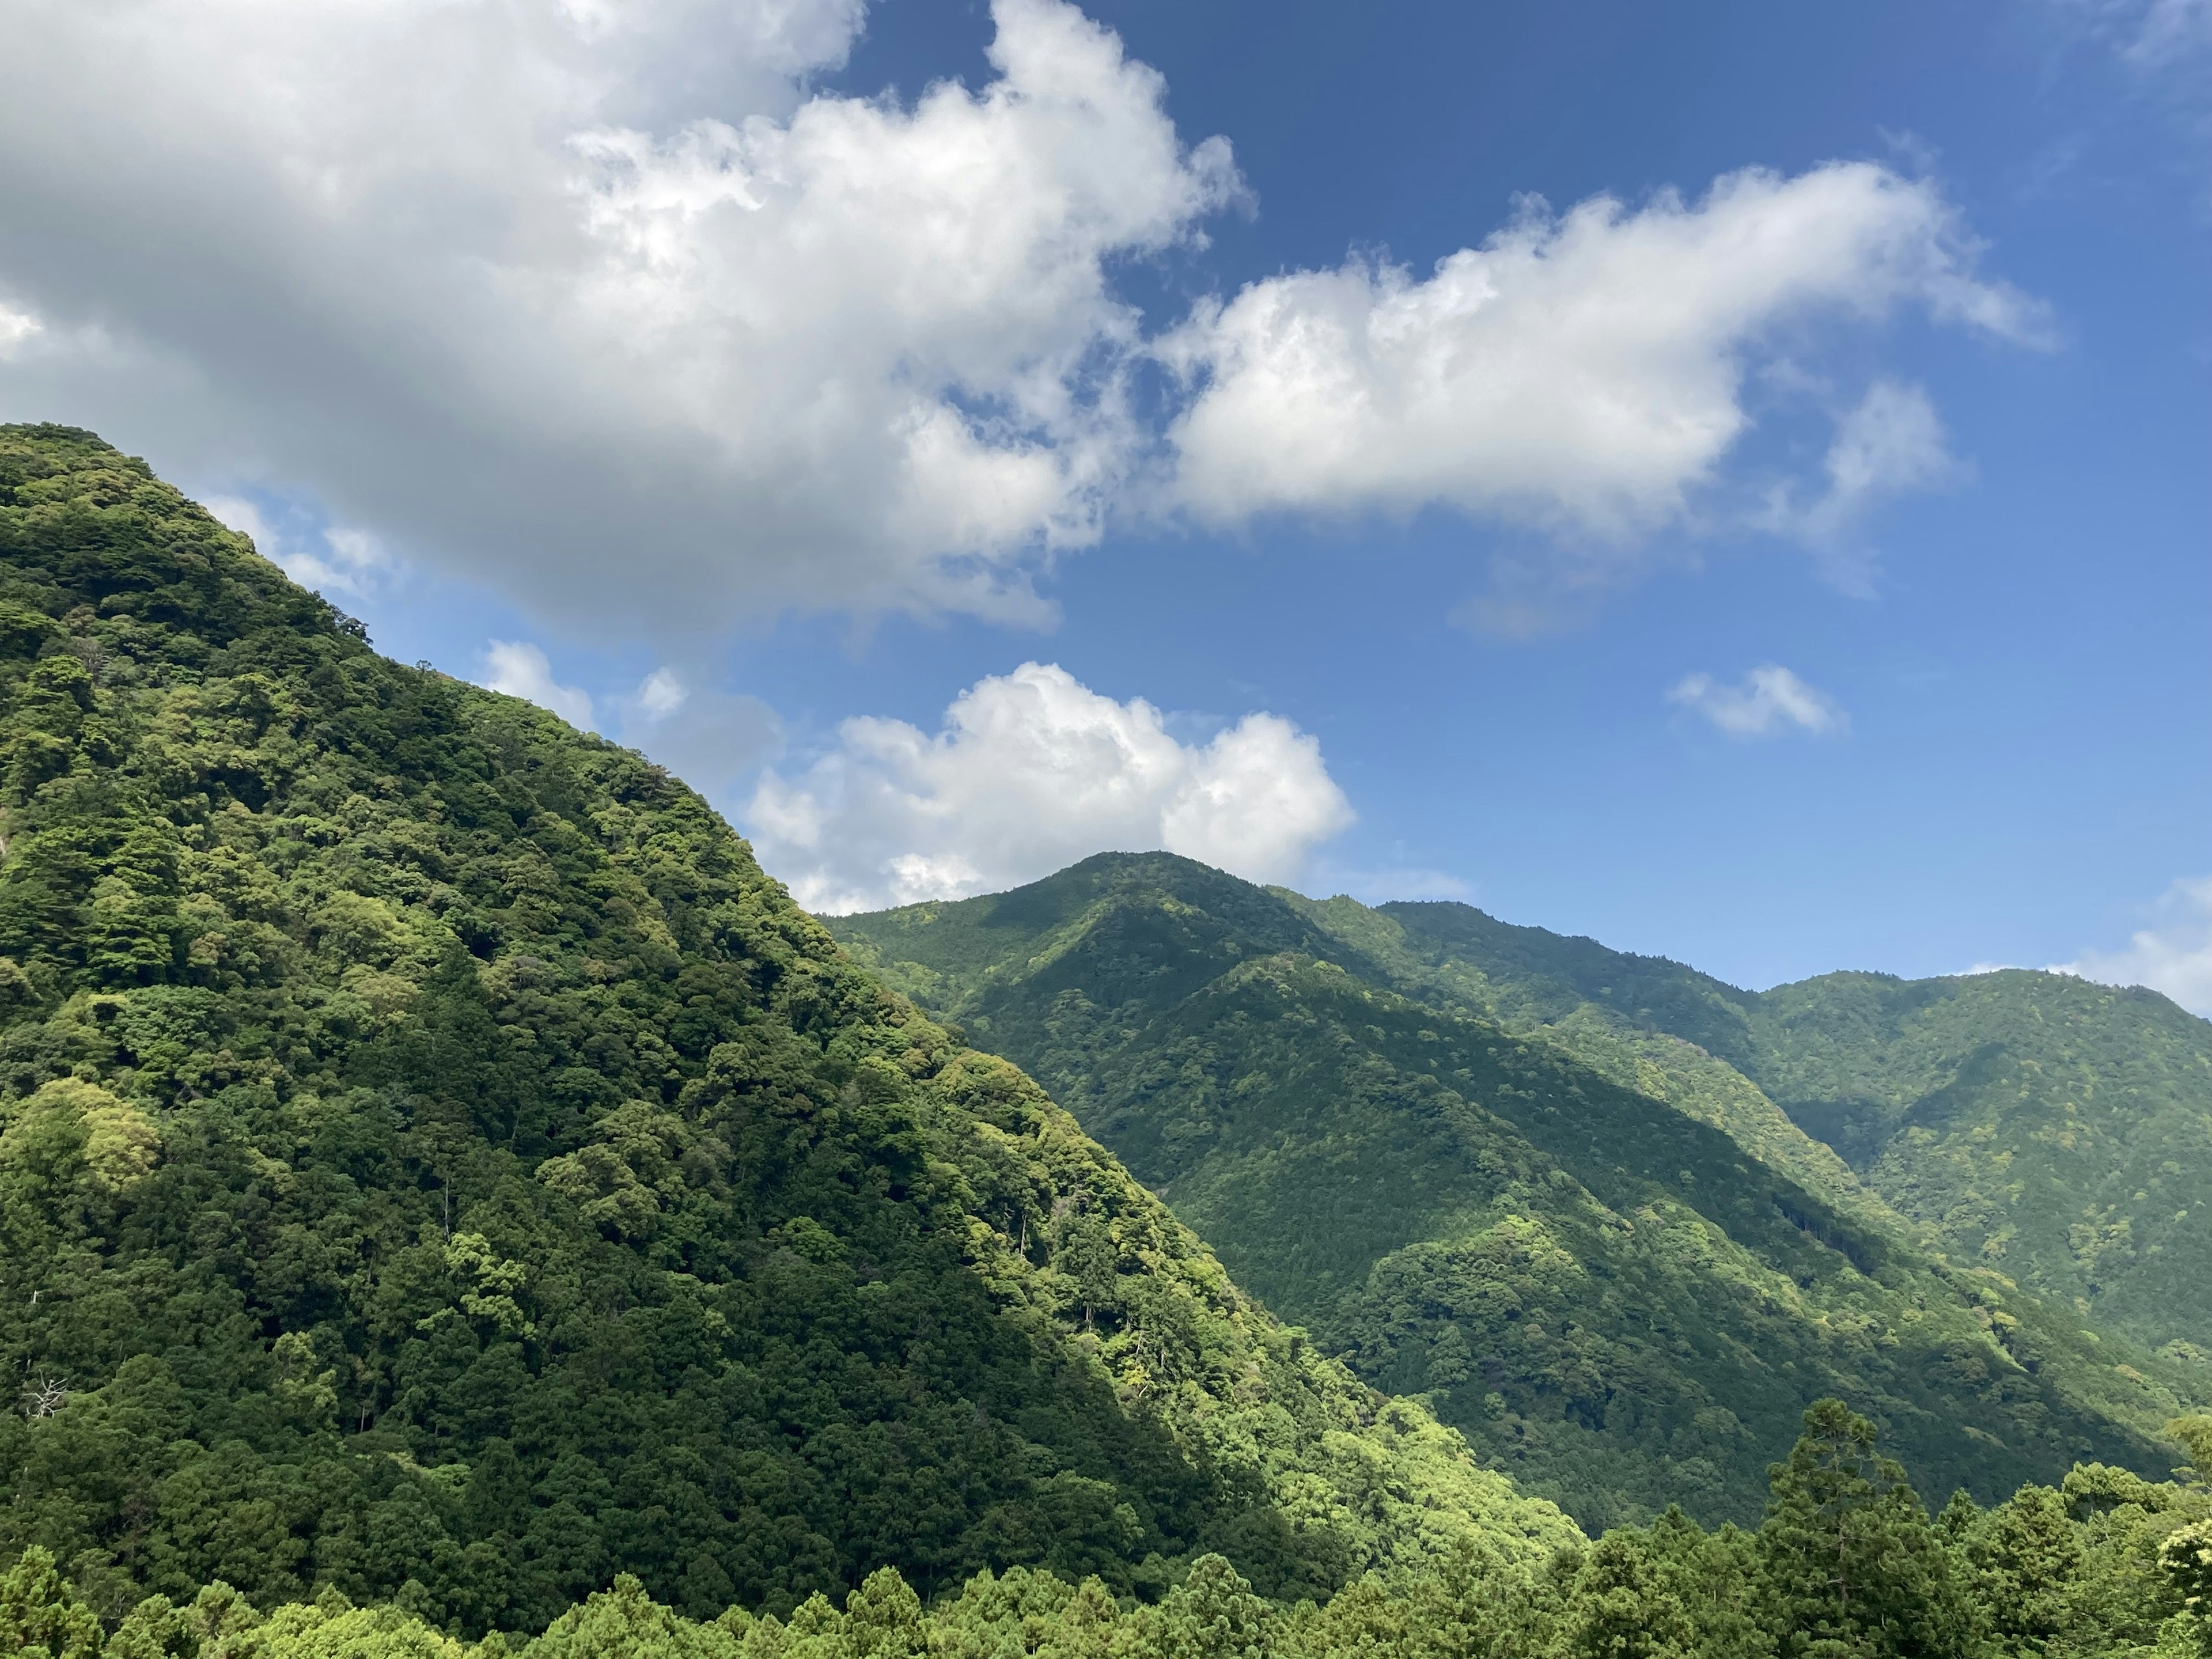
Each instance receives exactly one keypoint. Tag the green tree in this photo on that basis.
(1212, 1614)
(2186, 1559)
(1625, 1604)
(1853, 1568)
(40, 1617)
(2026, 1559)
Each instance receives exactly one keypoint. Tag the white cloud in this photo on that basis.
(337, 560)
(1580, 371)
(521, 670)
(1030, 772)
(1891, 443)
(16, 327)
(602, 303)
(1770, 701)
(590, 297)
(2173, 956)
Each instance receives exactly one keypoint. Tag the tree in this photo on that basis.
(40, 1617)
(1851, 1565)
(1625, 1606)
(2186, 1561)
(2027, 1558)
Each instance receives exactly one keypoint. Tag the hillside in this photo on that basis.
(2057, 1131)
(436, 1165)
(1602, 1252)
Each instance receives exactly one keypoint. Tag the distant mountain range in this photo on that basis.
(1616, 1220)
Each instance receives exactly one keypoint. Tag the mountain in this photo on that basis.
(437, 1165)
(1600, 1250)
(2057, 1131)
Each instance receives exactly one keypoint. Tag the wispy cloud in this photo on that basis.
(334, 560)
(2172, 955)
(521, 670)
(1891, 443)
(1767, 702)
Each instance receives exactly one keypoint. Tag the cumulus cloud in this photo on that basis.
(603, 303)
(1031, 771)
(1581, 372)
(1769, 701)
(591, 297)
(521, 670)
(2173, 955)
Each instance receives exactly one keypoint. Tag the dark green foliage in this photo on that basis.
(1603, 1253)
(1846, 1563)
(1850, 1563)
(437, 1166)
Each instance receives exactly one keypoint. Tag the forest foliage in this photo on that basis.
(2054, 1130)
(1846, 1563)
(439, 1170)
(1600, 1250)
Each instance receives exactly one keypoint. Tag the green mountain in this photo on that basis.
(436, 1165)
(1601, 1251)
(2057, 1131)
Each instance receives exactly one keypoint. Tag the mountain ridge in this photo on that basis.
(1588, 1289)
(436, 1163)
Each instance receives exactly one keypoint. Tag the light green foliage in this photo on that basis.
(1602, 1252)
(436, 1164)
(40, 1615)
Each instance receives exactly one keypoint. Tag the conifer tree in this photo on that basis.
(40, 1617)
(1853, 1568)
(2026, 1559)
(1626, 1604)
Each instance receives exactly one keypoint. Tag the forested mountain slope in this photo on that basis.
(1604, 1255)
(436, 1162)
(2055, 1130)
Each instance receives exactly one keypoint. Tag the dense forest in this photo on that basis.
(2057, 1131)
(1597, 1247)
(436, 1165)
(1846, 1563)
(451, 1201)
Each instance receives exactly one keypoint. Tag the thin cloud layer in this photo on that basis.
(1031, 771)
(337, 560)
(2174, 955)
(1890, 444)
(1769, 701)
(601, 304)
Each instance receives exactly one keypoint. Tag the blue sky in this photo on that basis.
(1993, 739)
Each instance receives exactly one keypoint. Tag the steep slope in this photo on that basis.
(435, 1162)
(1608, 1285)
(2058, 1131)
